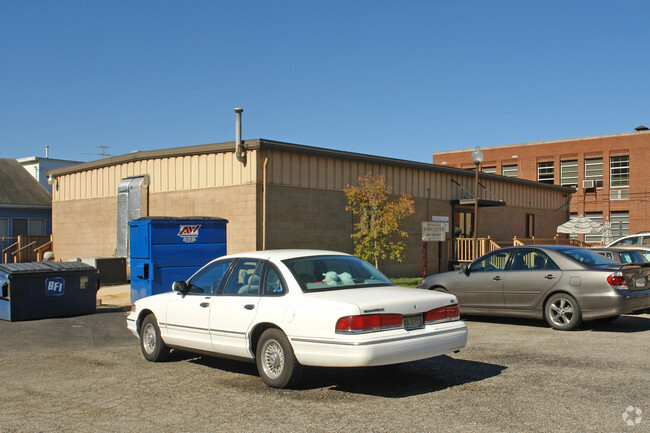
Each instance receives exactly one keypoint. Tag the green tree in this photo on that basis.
(379, 219)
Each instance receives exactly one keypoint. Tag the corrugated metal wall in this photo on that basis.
(166, 174)
(318, 172)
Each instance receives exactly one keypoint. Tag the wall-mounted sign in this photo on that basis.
(441, 219)
(433, 231)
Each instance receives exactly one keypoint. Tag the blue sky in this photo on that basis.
(400, 79)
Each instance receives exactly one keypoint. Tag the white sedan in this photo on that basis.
(285, 309)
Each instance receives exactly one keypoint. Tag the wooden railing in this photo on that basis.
(7, 252)
(464, 247)
(557, 240)
(40, 251)
(27, 249)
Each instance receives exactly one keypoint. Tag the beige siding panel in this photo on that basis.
(202, 170)
(227, 170)
(149, 169)
(157, 176)
(165, 174)
(313, 172)
(322, 174)
(112, 180)
(176, 173)
(210, 168)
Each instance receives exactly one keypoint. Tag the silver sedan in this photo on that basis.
(562, 284)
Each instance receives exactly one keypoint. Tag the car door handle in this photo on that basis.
(204, 304)
(497, 278)
(249, 306)
(550, 277)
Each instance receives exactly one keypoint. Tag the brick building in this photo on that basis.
(611, 173)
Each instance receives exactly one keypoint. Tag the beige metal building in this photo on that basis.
(290, 196)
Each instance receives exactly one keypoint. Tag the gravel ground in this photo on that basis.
(87, 374)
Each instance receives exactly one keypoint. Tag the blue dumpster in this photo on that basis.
(30, 291)
(167, 249)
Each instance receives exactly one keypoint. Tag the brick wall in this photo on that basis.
(526, 156)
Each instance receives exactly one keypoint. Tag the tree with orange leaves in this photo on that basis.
(379, 219)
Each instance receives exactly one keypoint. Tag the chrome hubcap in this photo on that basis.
(561, 311)
(273, 359)
(149, 339)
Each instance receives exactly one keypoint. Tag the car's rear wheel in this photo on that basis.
(276, 362)
(563, 312)
(152, 345)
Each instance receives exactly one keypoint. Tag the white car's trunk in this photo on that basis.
(388, 299)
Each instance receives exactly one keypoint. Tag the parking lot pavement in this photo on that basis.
(87, 374)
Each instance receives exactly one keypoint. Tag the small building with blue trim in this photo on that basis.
(25, 205)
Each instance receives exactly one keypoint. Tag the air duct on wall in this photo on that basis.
(239, 147)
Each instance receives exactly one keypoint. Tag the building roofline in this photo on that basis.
(537, 143)
(42, 158)
(261, 143)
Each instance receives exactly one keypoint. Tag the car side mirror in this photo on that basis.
(179, 286)
(464, 268)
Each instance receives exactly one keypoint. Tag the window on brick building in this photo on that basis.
(490, 170)
(619, 171)
(620, 224)
(596, 217)
(545, 172)
(569, 173)
(509, 170)
(594, 169)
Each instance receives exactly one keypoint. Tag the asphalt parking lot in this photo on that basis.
(87, 374)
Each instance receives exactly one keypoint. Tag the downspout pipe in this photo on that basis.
(239, 148)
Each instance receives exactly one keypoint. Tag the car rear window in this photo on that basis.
(587, 257)
(631, 257)
(321, 273)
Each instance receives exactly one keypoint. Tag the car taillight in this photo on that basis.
(443, 314)
(617, 280)
(368, 323)
(382, 322)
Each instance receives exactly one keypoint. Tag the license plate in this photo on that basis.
(639, 282)
(413, 321)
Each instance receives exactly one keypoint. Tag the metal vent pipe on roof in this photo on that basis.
(238, 143)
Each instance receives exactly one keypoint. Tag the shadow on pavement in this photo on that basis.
(396, 381)
(406, 380)
(624, 324)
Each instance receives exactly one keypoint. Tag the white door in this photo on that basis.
(233, 311)
(188, 317)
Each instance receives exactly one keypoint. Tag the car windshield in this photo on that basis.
(320, 273)
(587, 257)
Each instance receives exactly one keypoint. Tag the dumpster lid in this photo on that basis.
(36, 267)
(189, 218)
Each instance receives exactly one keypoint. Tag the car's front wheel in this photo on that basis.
(152, 345)
(276, 362)
(563, 312)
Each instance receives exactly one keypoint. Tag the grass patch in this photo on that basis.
(407, 282)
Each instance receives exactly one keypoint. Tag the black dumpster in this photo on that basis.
(31, 291)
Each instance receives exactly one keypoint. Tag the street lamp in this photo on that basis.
(477, 158)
